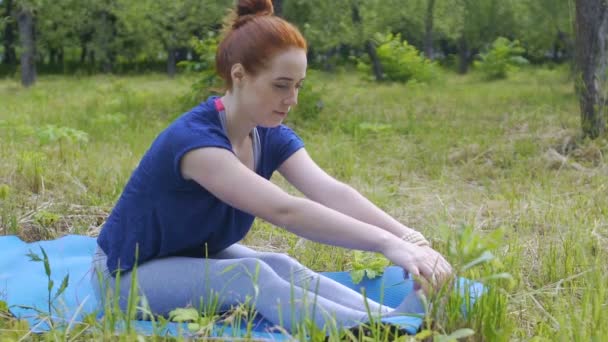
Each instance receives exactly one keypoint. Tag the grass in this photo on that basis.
(476, 166)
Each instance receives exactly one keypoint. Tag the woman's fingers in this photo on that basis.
(429, 269)
(438, 271)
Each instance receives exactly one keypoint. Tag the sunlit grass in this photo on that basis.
(459, 160)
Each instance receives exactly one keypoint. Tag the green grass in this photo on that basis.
(476, 166)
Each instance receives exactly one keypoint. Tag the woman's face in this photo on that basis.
(269, 95)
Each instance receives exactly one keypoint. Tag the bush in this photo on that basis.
(310, 103)
(208, 82)
(504, 56)
(401, 62)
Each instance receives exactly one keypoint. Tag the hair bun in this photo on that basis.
(254, 7)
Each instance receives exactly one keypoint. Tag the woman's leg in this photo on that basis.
(292, 271)
(175, 282)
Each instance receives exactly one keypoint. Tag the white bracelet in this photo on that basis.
(415, 237)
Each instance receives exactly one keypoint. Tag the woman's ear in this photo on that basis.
(237, 72)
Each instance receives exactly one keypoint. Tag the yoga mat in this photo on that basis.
(24, 283)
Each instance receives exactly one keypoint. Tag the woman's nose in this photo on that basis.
(292, 99)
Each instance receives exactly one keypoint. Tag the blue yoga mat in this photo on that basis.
(23, 283)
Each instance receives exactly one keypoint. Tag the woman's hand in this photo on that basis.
(421, 261)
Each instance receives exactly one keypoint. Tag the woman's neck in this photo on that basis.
(238, 125)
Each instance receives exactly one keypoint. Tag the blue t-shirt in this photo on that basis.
(162, 214)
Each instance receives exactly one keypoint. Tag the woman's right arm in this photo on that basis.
(221, 173)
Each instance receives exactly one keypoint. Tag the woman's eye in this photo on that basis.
(280, 86)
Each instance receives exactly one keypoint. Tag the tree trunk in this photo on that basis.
(25, 21)
(591, 58)
(428, 29)
(83, 53)
(278, 7)
(52, 56)
(105, 35)
(92, 58)
(9, 58)
(369, 45)
(463, 52)
(171, 69)
(376, 64)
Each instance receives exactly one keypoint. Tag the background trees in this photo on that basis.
(591, 60)
(90, 36)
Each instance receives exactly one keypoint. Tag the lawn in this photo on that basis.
(476, 166)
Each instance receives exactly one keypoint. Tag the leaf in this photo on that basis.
(357, 276)
(484, 257)
(51, 283)
(371, 274)
(25, 307)
(194, 327)
(461, 333)
(424, 334)
(47, 265)
(184, 315)
(503, 275)
(63, 286)
(33, 256)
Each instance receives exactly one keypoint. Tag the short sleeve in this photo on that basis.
(191, 132)
(208, 138)
(281, 143)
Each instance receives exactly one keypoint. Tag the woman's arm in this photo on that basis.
(220, 172)
(303, 173)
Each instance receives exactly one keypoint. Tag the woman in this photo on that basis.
(198, 188)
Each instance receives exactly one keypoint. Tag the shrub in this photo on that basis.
(310, 103)
(503, 56)
(401, 62)
(208, 82)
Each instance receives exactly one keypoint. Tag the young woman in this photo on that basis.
(196, 192)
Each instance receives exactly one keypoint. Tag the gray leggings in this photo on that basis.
(280, 288)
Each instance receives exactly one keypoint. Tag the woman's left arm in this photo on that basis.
(304, 174)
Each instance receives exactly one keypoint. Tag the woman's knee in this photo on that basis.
(280, 260)
(288, 268)
(253, 267)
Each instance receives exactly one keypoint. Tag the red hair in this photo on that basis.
(252, 36)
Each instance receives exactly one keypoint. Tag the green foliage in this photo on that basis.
(545, 26)
(52, 134)
(208, 82)
(368, 265)
(62, 137)
(196, 323)
(50, 283)
(401, 62)
(472, 256)
(503, 56)
(5, 191)
(46, 218)
(30, 165)
(310, 103)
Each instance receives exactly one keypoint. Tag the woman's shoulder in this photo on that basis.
(277, 132)
(202, 117)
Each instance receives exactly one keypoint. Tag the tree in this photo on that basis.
(591, 25)
(545, 26)
(370, 48)
(278, 7)
(428, 28)
(8, 35)
(169, 25)
(56, 28)
(25, 21)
